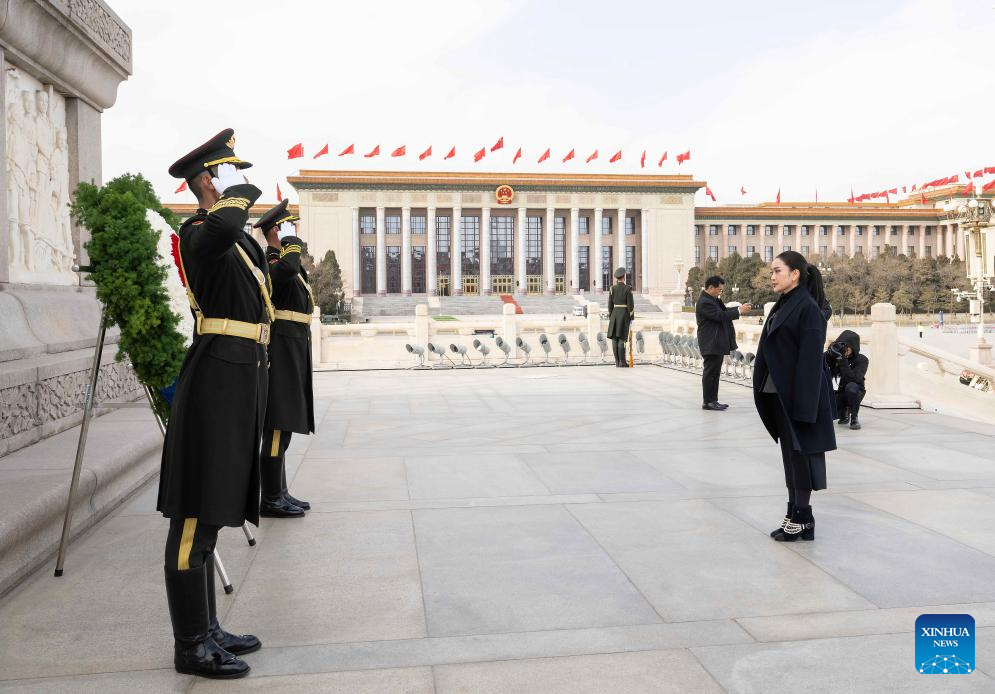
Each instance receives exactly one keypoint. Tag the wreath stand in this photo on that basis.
(89, 405)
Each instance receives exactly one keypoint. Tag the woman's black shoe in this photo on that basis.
(800, 527)
(784, 521)
(195, 652)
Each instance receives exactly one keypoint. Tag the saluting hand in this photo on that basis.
(228, 176)
(286, 229)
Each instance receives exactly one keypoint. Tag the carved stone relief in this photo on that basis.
(41, 245)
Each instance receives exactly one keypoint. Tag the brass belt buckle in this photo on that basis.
(264, 333)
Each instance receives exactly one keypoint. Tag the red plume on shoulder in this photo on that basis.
(174, 242)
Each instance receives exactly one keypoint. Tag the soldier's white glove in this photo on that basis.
(286, 229)
(228, 176)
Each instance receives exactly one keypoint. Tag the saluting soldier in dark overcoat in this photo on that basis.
(621, 311)
(291, 402)
(210, 463)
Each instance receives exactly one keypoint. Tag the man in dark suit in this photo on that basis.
(716, 338)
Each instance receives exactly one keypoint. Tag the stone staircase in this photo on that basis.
(390, 306)
(539, 304)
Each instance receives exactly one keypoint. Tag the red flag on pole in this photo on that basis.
(615, 157)
(592, 157)
(518, 155)
(499, 144)
(642, 160)
(545, 156)
(778, 196)
(851, 196)
(295, 151)
(183, 186)
(426, 153)
(742, 190)
(351, 149)
(452, 153)
(323, 150)
(279, 195)
(922, 198)
(913, 187)
(480, 154)
(400, 151)
(662, 159)
(988, 186)
(709, 193)
(989, 170)
(903, 189)
(967, 175)
(979, 172)
(681, 158)
(570, 155)
(375, 152)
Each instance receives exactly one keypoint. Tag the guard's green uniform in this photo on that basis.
(621, 310)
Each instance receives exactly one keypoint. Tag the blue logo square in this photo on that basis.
(945, 644)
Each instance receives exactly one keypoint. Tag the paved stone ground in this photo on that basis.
(550, 530)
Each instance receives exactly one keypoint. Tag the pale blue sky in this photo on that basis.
(767, 95)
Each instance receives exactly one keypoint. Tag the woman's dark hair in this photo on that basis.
(796, 261)
(816, 287)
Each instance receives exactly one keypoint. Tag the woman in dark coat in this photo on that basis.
(621, 310)
(792, 393)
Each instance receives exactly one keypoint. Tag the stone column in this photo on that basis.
(620, 242)
(432, 272)
(922, 242)
(595, 256)
(357, 255)
(4, 223)
(798, 239)
(853, 239)
(485, 251)
(522, 286)
(83, 135)
(959, 245)
(381, 254)
(644, 252)
(547, 253)
(456, 254)
(406, 251)
(574, 250)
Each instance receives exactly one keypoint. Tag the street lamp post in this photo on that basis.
(975, 216)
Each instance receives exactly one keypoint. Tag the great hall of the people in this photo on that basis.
(411, 233)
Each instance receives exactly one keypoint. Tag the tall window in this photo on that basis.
(876, 251)
(502, 245)
(875, 230)
(584, 267)
(750, 250)
(732, 230)
(606, 267)
(805, 250)
(606, 226)
(751, 229)
(713, 253)
(369, 258)
(559, 245)
(840, 230)
(583, 225)
(697, 230)
(806, 230)
(470, 239)
(912, 231)
(630, 264)
(769, 230)
(533, 245)
(367, 224)
(443, 261)
(713, 229)
(787, 230)
(393, 269)
(768, 253)
(840, 250)
(630, 226)
(928, 251)
(732, 250)
(417, 225)
(785, 247)
(823, 250)
(697, 256)
(392, 224)
(824, 229)
(418, 269)
(860, 230)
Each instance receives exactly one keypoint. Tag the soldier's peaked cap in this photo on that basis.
(620, 273)
(276, 216)
(220, 149)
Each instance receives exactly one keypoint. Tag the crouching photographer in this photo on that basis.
(850, 366)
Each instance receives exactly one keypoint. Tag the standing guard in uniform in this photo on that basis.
(621, 311)
(210, 463)
(291, 402)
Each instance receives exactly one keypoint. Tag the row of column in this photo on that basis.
(456, 250)
(947, 239)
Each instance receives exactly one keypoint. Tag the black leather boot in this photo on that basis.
(784, 521)
(273, 504)
(195, 652)
(845, 415)
(286, 493)
(854, 422)
(800, 527)
(233, 643)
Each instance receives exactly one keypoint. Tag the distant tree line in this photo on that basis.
(853, 284)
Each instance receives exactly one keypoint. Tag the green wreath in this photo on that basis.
(123, 250)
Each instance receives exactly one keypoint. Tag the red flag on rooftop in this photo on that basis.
(989, 170)
(499, 144)
(988, 186)
(279, 195)
(662, 159)
(323, 150)
(295, 151)
(967, 175)
(709, 193)
(183, 186)
(400, 151)
(968, 189)
(518, 155)
(480, 154)
(778, 196)
(642, 160)
(426, 153)
(452, 153)
(351, 149)
(979, 172)
(893, 191)
(615, 157)
(375, 152)
(570, 155)
(913, 187)
(954, 179)
(903, 189)
(683, 157)
(545, 156)
(851, 196)
(592, 157)
(922, 198)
